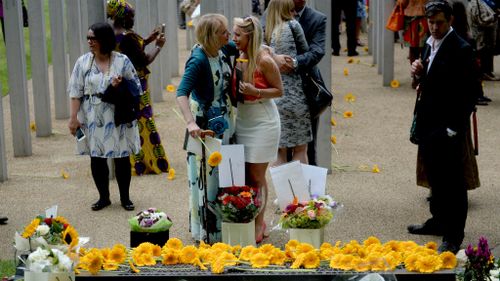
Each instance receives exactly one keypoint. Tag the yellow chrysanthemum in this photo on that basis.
(333, 122)
(335, 261)
(326, 254)
(31, 228)
(366, 48)
(33, 126)
(247, 252)
(371, 240)
(298, 262)
(170, 88)
(145, 248)
(156, 250)
(214, 159)
(64, 174)
(277, 257)
(304, 248)
(346, 262)
(311, 260)
(266, 249)
(188, 254)
(346, 71)
(171, 174)
(395, 83)
(448, 259)
(170, 257)
(203, 245)
(148, 259)
(375, 169)
(189, 23)
(236, 249)
(361, 265)
(333, 139)
(431, 245)
(348, 114)
(292, 244)
(428, 263)
(174, 243)
(218, 266)
(349, 97)
(222, 247)
(117, 254)
(110, 265)
(93, 261)
(259, 260)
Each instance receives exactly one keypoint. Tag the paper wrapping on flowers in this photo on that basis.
(150, 220)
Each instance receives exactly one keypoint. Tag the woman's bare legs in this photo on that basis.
(300, 153)
(282, 155)
(256, 177)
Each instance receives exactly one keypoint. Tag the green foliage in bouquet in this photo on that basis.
(150, 220)
(238, 204)
(313, 214)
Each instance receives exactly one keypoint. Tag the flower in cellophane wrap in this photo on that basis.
(313, 214)
(150, 220)
(239, 204)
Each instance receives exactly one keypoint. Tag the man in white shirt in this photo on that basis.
(442, 111)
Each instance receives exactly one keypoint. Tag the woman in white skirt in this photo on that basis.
(258, 121)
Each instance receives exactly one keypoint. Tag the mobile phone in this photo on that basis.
(80, 135)
(162, 28)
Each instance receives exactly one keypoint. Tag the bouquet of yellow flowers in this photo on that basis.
(312, 214)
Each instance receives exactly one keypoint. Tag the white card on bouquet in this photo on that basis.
(51, 212)
(232, 166)
(315, 179)
(289, 181)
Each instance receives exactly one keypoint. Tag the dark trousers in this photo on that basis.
(444, 159)
(486, 59)
(100, 173)
(350, 9)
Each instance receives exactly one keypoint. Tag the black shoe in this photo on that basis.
(336, 53)
(447, 246)
(485, 98)
(352, 54)
(480, 101)
(99, 205)
(129, 206)
(424, 229)
(3, 220)
(490, 77)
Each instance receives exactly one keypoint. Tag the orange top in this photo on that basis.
(413, 8)
(259, 81)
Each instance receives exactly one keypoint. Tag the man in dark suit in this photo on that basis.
(350, 8)
(442, 113)
(314, 25)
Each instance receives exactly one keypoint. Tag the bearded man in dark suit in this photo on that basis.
(442, 116)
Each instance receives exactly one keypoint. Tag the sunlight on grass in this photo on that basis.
(3, 56)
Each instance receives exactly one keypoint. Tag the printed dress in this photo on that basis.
(103, 138)
(204, 179)
(292, 106)
(152, 158)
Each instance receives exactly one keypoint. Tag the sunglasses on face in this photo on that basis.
(91, 38)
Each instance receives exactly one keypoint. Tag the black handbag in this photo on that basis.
(318, 97)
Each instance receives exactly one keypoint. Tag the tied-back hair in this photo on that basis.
(105, 35)
(278, 12)
(207, 28)
(251, 26)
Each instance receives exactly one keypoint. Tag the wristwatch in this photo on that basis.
(295, 63)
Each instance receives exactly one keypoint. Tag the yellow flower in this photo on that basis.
(148, 259)
(156, 250)
(33, 126)
(222, 247)
(170, 257)
(428, 264)
(246, 194)
(189, 254)
(311, 260)
(350, 60)
(347, 114)
(110, 265)
(31, 228)
(346, 262)
(297, 263)
(431, 245)
(371, 240)
(171, 174)
(132, 267)
(64, 174)
(214, 159)
(304, 248)
(395, 83)
(366, 48)
(70, 236)
(174, 243)
(349, 97)
(266, 249)
(259, 260)
(170, 88)
(247, 252)
(118, 254)
(189, 23)
(375, 169)
(333, 122)
(361, 265)
(93, 261)
(218, 265)
(277, 257)
(242, 60)
(448, 259)
(346, 71)
(333, 139)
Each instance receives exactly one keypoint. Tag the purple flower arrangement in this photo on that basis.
(479, 261)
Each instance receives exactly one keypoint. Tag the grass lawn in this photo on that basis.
(3, 56)
(7, 268)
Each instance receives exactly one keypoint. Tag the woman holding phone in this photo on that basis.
(152, 158)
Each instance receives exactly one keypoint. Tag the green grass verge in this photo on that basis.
(3, 55)
(7, 268)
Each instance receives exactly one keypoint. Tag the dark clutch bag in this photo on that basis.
(319, 98)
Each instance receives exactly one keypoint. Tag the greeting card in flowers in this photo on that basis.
(289, 182)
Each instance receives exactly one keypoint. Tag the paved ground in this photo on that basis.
(375, 204)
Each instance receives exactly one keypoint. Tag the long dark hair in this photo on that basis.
(460, 23)
(105, 35)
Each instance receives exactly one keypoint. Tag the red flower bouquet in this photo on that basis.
(239, 204)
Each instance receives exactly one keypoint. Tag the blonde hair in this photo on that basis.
(251, 26)
(278, 12)
(207, 28)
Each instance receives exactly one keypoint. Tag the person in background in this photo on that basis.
(286, 37)
(446, 99)
(360, 17)
(94, 73)
(258, 121)
(152, 158)
(416, 29)
(203, 97)
(349, 7)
